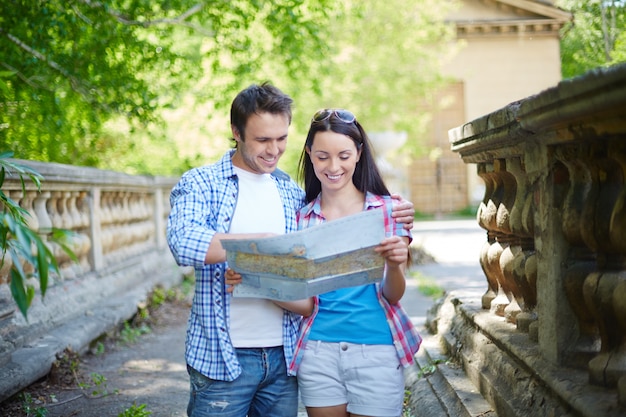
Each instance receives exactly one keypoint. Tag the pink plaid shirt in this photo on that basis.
(405, 337)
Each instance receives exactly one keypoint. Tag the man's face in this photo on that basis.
(264, 144)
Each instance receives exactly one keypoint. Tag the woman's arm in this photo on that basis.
(395, 250)
(301, 307)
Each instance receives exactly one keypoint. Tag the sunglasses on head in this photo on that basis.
(341, 114)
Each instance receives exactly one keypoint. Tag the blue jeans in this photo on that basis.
(262, 390)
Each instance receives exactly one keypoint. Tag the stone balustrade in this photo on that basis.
(117, 224)
(554, 209)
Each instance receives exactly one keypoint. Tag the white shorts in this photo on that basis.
(368, 378)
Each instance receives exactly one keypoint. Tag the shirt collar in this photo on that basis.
(372, 201)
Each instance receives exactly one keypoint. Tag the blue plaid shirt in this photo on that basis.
(203, 203)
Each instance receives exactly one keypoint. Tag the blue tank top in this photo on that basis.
(352, 315)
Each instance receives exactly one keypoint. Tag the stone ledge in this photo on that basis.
(509, 370)
(101, 305)
(440, 388)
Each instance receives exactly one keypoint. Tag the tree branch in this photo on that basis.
(23, 77)
(76, 83)
(179, 20)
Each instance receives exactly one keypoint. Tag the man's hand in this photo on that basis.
(403, 211)
(231, 278)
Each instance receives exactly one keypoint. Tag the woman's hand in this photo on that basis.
(395, 250)
(231, 278)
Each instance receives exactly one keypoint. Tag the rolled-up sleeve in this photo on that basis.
(189, 225)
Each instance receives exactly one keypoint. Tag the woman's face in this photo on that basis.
(334, 157)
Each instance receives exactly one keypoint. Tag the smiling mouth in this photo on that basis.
(333, 177)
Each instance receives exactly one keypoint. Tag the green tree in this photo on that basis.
(596, 37)
(71, 67)
(144, 87)
(385, 62)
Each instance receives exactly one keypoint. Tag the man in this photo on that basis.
(238, 349)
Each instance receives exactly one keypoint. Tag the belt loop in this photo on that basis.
(318, 343)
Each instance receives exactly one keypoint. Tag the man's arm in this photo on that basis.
(216, 253)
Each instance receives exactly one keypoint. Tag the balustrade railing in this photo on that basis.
(118, 226)
(554, 167)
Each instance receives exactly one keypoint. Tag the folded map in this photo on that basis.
(333, 255)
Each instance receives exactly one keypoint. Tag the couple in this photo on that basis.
(242, 353)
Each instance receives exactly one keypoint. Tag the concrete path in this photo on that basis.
(455, 245)
(152, 371)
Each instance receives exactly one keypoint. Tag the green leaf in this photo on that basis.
(61, 237)
(42, 266)
(18, 292)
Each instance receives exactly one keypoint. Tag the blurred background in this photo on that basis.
(145, 87)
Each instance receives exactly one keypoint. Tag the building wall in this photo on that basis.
(438, 181)
(498, 71)
(505, 53)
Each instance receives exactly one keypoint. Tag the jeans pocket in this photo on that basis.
(197, 380)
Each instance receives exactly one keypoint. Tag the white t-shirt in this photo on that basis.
(256, 322)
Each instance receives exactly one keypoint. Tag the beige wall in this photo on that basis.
(498, 71)
(505, 53)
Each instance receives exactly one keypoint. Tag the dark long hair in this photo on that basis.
(366, 174)
(258, 98)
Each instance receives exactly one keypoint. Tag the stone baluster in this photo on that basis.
(106, 221)
(519, 270)
(68, 221)
(619, 304)
(53, 210)
(26, 202)
(137, 215)
(500, 255)
(122, 229)
(79, 240)
(604, 290)
(486, 216)
(578, 188)
(39, 205)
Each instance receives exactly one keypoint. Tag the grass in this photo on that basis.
(464, 213)
(427, 286)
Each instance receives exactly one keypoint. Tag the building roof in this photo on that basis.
(508, 17)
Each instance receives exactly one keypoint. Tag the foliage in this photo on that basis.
(387, 63)
(136, 411)
(29, 256)
(130, 334)
(596, 37)
(69, 68)
(427, 286)
(145, 87)
(31, 409)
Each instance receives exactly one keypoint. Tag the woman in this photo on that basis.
(352, 348)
